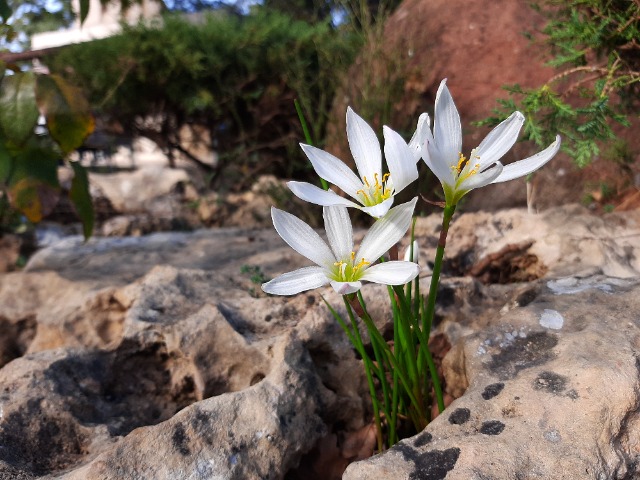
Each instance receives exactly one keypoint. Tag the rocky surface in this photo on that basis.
(158, 357)
(552, 390)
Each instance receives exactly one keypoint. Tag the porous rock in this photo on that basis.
(123, 358)
(552, 400)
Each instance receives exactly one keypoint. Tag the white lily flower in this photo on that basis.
(415, 249)
(442, 150)
(420, 136)
(338, 263)
(372, 190)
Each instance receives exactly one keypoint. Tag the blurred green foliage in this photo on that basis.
(235, 75)
(29, 159)
(30, 152)
(596, 48)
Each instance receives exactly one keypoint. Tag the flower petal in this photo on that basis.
(364, 146)
(379, 210)
(528, 165)
(386, 232)
(419, 138)
(481, 179)
(302, 238)
(438, 165)
(300, 280)
(345, 288)
(413, 248)
(447, 129)
(400, 159)
(499, 140)
(392, 273)
(332, 169)
(339, 231)
(312, 194)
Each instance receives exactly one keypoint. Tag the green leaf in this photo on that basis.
(84, 10)
(5, 10)
(38, 163)
(35, 199)
(6, 165)
(34, 189)
(67, 111)
(18, 108)
(79, 195)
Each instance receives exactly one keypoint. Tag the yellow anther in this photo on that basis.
(461, 162)
(361, 264)
(353, 256)
(377, 184)
(366, 182)
(385, 177)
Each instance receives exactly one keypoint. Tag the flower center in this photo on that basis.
(376, 193)
(348, 270)
(463, 170)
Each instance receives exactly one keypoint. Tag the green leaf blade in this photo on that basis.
(68, 114)
(18, 107)
(81, 198)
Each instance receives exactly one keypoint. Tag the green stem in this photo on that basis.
(428, 312)
(381, 351)
(307, 135)
(407, 338)
(368, 367)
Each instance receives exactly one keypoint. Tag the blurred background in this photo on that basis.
(188, 113)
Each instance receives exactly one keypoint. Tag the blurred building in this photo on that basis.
(100, 23)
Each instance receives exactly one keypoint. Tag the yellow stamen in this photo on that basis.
(377, 184)
(475, 170)
(461, 162)
(366, 182)
(362, 263)
(364, 194)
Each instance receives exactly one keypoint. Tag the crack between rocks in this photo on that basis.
(630, 462)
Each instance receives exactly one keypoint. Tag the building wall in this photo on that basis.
(101, 22)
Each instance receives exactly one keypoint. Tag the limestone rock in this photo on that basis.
(256, 381)
(553, 392)
(9, 252)
(564, 240)
(257, 433)
(135, 358)
(132, 191)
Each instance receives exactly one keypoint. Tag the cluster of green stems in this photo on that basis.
(401, 374)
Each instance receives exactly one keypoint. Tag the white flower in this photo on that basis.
(442, 150)
(414, 249)
(373, 190)
(338, 263)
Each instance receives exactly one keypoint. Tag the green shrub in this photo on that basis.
(595, 47)
(235, 75)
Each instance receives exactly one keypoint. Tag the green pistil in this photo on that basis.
(376, 193)
(349, 271)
